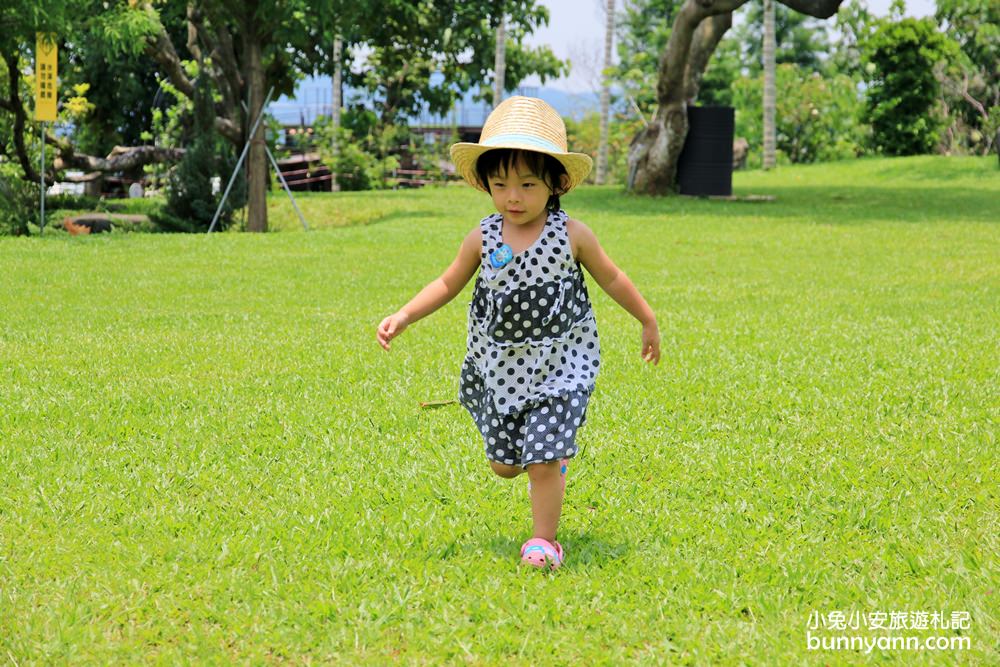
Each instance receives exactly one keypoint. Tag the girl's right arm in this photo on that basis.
(436, 293)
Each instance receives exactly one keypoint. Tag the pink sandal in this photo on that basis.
(542, 553)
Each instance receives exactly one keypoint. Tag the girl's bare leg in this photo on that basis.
(505, 470)
(546, 498)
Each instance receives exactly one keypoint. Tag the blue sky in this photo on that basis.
(576, 29)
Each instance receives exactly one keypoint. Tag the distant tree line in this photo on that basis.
(144, 84)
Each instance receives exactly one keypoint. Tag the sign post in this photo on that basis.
(41, 178)
(46, 87)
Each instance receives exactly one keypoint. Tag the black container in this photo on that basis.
(705, 166)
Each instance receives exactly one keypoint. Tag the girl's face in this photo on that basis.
(520, 195)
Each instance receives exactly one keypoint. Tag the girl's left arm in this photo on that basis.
(617, 285)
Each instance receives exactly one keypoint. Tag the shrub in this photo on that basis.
(584, 136)
(355, 168)
(18, 201)
(902, 88)
(816, 117)
(191, 204)
(359, 143)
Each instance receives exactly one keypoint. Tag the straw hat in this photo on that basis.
(526, 123)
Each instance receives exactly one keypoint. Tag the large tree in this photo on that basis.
(249, 46)
(697, 29)
(265, 43)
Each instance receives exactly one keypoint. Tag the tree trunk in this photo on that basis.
(257, 157)
(602, 150)
(500, 62)
(655, 150)
(769, 85)
(338, 91)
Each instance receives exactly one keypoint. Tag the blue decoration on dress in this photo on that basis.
(501, 257)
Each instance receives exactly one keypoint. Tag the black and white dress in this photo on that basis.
(533, 349)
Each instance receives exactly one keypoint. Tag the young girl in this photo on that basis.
(533, 350)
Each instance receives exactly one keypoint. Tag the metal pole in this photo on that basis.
(41, 173)
(239, 163)
(281, 177)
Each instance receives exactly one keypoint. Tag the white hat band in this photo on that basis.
(523, 139)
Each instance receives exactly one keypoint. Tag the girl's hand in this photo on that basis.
(651, 343)
(391, 327)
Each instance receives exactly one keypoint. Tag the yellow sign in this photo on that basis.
(46, 76)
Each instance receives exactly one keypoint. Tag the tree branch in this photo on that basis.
(703, 45)
(670, 86)
(821, 9)
(230, 130)
(14, 105)
(976, 104)
(193, 22)
(224, 55)
(122, 158)
(162, 51)
(223, 70)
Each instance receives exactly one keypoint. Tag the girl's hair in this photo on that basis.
(503, 160)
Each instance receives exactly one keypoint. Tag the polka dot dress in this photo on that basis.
(533, 349)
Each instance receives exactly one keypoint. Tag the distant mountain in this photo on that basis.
(574, 105)
(313, 96)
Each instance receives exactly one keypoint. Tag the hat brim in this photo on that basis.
(465, 155)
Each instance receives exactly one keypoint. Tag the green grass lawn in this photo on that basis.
(206, 457)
